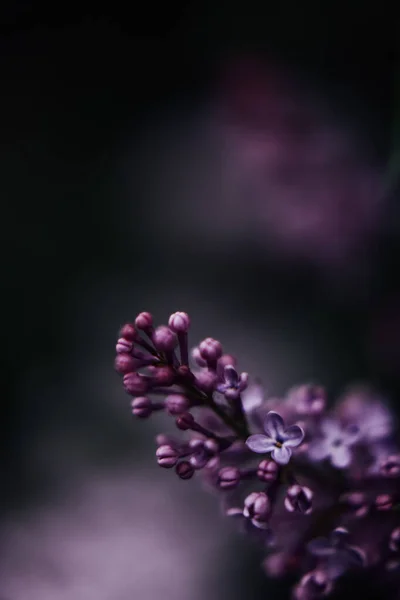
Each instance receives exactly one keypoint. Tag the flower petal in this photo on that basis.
(340, 457)
(331, 429)
(274, 425)
(318, 450)
(351, 434)
(252, 398)
(222, 387)
(231, 375)
(260, 443)
(293, 436)
(321, 547)
(243, 381)
(281, 455)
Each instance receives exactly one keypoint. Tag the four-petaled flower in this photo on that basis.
(336, 553)
(233, 383)
(278, 440)
(335, 443)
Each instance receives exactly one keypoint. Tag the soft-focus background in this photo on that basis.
(234, 160)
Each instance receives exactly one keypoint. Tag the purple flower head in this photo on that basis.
(233, 383)
(336, 553)
(278, 440)
(335, 444)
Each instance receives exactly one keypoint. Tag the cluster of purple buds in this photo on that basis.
(320, 488)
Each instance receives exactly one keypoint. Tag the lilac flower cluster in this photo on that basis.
(319, 489)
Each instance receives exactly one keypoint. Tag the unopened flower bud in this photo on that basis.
(135, 384)
(125, 363)
(141, 407)
(144, 321)
(203, 452)
(163, 376)
(257, 508)
(224, 361)
(384, 502)
(210, 350)
(391, 466)
(394, 542)
(184, 470)
(206, 381)
(129, 332)
(176, 404)
(184, 373)
(267, 470)
(164, 339)
(124, 346)
(197, 357)
(357, 502)
(185, 421)
(280, 564)
(211, 445)
(299, 499)
(228, 478)
(393, 565)
(313, 586)
(179, 322)
(167, 456)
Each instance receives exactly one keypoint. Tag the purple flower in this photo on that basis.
(335, 444)
(233, 384)
(203, 451)
(278, 439)
(336, 553)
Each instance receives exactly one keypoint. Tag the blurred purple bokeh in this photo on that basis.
(268, 162)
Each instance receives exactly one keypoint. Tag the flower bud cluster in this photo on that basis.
(318, 487)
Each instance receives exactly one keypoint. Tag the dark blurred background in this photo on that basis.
(235, 160)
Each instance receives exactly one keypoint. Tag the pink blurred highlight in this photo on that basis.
(118, 536)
